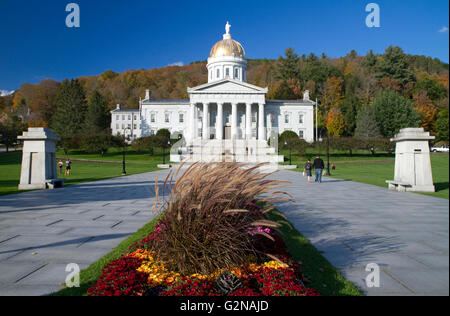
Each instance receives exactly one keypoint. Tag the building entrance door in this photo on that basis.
(227, 132)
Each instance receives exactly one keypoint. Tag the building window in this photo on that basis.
(227, 117)
(123, 117)
(152, 132)
(181, 118)
(301, 134)
(286, 118)
(218, 73)
(129, 126)
(135, 126)
(236, 73)
(129, 117)
(123, 126)
(117, 126)
(227, 72)
(135, 117)
(300, 118)
(117, 117)
(152, 118)
(254, 117)
(167, 118)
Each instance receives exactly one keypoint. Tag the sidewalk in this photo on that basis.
(43, 231)
(356, 224)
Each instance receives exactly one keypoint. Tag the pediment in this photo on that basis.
(227, 86)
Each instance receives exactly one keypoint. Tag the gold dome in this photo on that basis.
(227, 47)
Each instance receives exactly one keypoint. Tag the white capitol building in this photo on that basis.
(226, 119)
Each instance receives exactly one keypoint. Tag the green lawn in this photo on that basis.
(365, 168)
(10, 164)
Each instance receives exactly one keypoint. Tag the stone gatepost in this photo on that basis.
(39, 160)
(412, 161)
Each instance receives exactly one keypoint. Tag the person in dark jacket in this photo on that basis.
(308, 170)
(319, 165)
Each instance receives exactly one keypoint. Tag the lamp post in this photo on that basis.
(328, 154)
(290, 152)
(124, 171)
(164, 152)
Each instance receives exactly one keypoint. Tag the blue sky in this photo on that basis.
(36, 44)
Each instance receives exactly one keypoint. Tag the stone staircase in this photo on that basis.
(241, 151)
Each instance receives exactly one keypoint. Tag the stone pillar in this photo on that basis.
(234, 133)
(248, 121)
(205, 121)
(39, 160)
(412, 161)
(261, 126)
(219, 121)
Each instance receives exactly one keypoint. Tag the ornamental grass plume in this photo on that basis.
(209, 213)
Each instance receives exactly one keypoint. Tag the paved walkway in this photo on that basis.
(43, 231)
(353, 224)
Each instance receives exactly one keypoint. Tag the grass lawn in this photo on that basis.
(10, 165)
(365, 168)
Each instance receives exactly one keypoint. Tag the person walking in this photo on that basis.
(60, 165)
(308, 170)
(68, 167)
(319, 165)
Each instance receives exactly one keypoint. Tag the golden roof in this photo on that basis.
(227, 47)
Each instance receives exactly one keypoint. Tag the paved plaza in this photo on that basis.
(352, 224)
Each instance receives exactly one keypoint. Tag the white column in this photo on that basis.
(219, 121)
(205, 121)
(234, 133)
(248, 121)
(261, 128)
(192, 121)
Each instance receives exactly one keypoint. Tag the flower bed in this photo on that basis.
(140, 273)
(212, 240)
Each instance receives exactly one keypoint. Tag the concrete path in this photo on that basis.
(355, 224)
(43, 231)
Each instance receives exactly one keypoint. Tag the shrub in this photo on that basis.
(208, 215)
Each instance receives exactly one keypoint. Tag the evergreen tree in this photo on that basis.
(393, 112)
(349, 110)
(393, 64)
(68, 119)
(288, 67)
(98, 119)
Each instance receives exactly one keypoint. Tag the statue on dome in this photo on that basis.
(227, 28)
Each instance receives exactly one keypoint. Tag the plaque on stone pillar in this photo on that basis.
(412, 161)
(39, 160)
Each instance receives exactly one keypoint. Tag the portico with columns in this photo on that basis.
(227, 110)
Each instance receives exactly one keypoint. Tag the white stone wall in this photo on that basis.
(159, 112)
(121, 120)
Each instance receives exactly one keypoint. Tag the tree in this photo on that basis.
(393, 112)
(426, 109)
(69, 117)
(366, 123)
(335, 122)
(98, 119)
(145, 143)
(100, 142)
(288, 137)
(393, 64)
(10, 129)
(349, 110)
(442, 127)
(288, 66)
